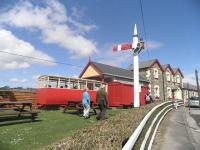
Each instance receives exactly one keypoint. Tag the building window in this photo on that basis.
(155, 73)
(149, 88)
(156, 91)
(178, 79)
(172, 78)
(148, 73)
(186, 94)
(169, 92)
(168, 76)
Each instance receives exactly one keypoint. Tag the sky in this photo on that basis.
(72, 31)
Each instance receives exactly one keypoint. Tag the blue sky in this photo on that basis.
(71, 31)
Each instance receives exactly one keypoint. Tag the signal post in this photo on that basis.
(136, 46)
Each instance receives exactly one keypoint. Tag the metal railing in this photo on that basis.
(153, 127)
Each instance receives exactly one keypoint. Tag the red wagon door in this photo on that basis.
(121, 94)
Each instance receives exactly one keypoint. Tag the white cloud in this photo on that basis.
(114, 58)
(17, 80)
(54, 24)
(35, 77)
(153, 44)
(75, 76)
(78, 12)
(35, 81)
(11, 45)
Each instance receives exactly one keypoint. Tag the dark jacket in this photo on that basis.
(101, 97)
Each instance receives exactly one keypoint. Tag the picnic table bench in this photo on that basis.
(16, 109)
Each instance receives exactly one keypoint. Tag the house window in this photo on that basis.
(186, 94)
(156, 91)
(177, 78)
(148, 73)
(155, 73)
(172, 78)
(168, 76)
(149, 88)
(169, 92)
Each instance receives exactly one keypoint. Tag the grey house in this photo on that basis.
(164, 82)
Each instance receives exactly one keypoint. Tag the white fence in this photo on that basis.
(157, 119)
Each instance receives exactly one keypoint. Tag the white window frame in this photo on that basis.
(168, 77)
(155, 73)
(169, 92)
(156, 91)
(172, 78)
(178, 79)
(148, 73)
(149, 88)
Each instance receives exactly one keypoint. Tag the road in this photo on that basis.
(182, 131)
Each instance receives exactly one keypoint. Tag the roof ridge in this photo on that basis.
(110, 65)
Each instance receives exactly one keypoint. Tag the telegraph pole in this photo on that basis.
(197, 80)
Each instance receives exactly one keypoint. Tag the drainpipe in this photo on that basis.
(163, 86)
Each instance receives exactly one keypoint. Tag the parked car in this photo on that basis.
(193, 102)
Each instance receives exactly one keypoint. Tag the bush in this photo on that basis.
(106, 134)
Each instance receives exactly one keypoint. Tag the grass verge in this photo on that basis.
(52, 126)
(106, 134)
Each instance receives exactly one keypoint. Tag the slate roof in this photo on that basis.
(165, 66)
(115, 71)
(189, 86)
(143, 64)
(175, 69)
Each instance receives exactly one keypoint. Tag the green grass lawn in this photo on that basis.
(51, 127)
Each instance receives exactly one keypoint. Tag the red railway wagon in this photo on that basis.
(121, 94)
(55, 96)
(55, 90)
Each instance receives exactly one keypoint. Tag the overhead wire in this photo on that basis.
(55, 62)
(145, 34)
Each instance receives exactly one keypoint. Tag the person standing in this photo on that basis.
(86, 103)
(101, 99)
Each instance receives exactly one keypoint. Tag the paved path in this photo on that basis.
(183, 130)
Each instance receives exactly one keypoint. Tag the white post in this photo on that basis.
(58, 83)
(136, 70)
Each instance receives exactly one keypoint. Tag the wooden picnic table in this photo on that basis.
(18, 107)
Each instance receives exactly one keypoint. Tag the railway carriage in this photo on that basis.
(55, 90)
(67, 91)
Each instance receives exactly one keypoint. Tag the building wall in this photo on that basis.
(168, 89)
(178, 86)
(90, 72)
(168, 84)
(187, 93)
(155, 81)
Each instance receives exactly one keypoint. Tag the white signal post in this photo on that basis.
(136, 69)
(136, 46)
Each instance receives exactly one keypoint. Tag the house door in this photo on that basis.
(179, 94)
(173, 94)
